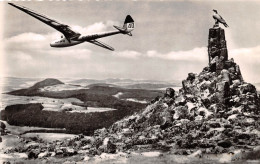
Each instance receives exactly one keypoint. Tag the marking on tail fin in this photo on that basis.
(128, 19)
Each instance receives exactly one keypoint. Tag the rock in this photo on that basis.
(214, 125)
(239, 73)
(58, 151)
(127, 131)
(244, 136)
(157, 98)
(3, 125)
(109, 147)
(225, 143)
(170, 92)
(52, 154)
(191, 106)
(86, 158)
(86, 147)
(204, 112)
(44, 154)
(191, 77)
(87, 140)
(180, 112)
(197, 153)
(247, 88)
(33, 153)
(225, 76)
(31, 145)
(218, 150)
(214, 60)
(101, 132)
(180, 101)
(223, 92)
(70, 151)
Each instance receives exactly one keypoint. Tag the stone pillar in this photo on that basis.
(217, 48)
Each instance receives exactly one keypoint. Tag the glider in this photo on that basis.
(71, 37)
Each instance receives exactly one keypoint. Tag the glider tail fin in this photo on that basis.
(128, 26)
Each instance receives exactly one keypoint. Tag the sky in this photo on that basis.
(169, 41)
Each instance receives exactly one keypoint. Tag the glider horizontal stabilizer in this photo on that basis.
(128, 26)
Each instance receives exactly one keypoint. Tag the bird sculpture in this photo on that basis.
(218, 19)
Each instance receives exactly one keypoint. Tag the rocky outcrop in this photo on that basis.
(215, 111)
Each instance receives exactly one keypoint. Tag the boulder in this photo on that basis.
(33, 153)
(170, 92)
(191, 77)
(247, 87)
(225, 143)
(214, 125)
(101, 132)
(197, 153)
(43, 154)
(3, 125)
(180, 100)
(205, 113)
(109, 147)
(70, 151)
(225, 76)
(58, 151)
(180, 112)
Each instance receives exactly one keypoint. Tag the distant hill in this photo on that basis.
(148, 86)
(102, 94)
(34, 90)
(122, 82)
(85, 81)
(46, 82)
(102, 84)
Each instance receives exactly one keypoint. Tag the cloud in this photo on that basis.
(22, 57)
(95, 28)
(26, 37)
(248, 60)
(251, 54)
(128, 54)
(78, 53)
(35, 41)
(196, 54)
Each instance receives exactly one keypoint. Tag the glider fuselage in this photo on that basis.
(64, 42)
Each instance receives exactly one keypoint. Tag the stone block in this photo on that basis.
(224, 53)
(217, 47)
